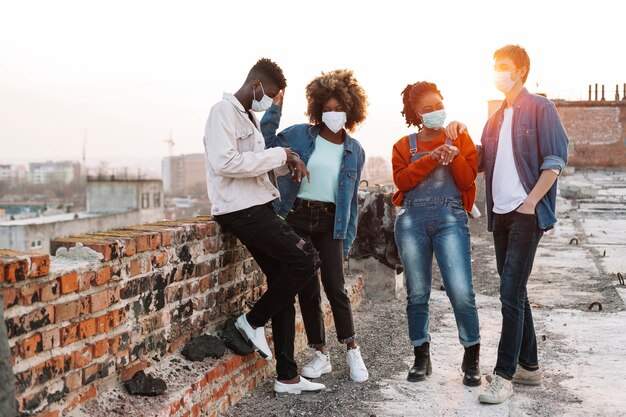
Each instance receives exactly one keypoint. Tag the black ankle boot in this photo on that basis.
(422, 365)
(471, 366)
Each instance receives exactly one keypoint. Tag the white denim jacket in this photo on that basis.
(237, 162)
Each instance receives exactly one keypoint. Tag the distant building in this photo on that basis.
(50, 171)
(5, 172)
(184, 175)
(111, 203)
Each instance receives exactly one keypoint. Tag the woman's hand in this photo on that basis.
(444, 154)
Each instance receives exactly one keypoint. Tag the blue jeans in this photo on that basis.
(439, 226)
(516, 237)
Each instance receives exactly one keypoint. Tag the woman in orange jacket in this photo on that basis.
(435, 179)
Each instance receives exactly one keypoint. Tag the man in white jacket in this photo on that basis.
(240, 173)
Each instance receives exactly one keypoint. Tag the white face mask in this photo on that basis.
(503, 81)
(334, 120)
(435, 119)
(262, 105)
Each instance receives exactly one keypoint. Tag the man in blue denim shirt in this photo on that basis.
(524, 149)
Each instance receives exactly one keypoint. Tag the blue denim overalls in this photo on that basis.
(432, 220)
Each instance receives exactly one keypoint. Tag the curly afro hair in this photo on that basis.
(410, 96)
(267, 69)
(341, 85)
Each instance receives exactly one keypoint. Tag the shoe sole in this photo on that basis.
(530, 382)
(287, 393)
(360, 380)
(322, 372)
(249, 342)
(429, 371)
(490, 401)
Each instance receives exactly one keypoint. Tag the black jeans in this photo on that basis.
(317, 223)
(516, 237)
(288, 261)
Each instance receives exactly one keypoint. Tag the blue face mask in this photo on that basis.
(434, 120)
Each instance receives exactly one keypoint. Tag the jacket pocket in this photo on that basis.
(245, 139)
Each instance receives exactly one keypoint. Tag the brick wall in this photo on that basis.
(78, 328)
(597, 132)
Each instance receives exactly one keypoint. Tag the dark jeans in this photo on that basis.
(288, 261)
(516, 237)
(7, 387)
(317, 224)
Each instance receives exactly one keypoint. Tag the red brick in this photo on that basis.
(19, 325)
(103, 275)
(54, 413)
(87, 328)
(81, 396)
(100, 348)
(160, 260)
(133, 268)
(69, 334)
(143, 242)
(49, 291)
(127, 372)
(73, 380)
(214, 373)
(90, 373)
(69, 282)
(220, 391)
(39, 265)
(10, 297)
(15, 269)
(71, 310)
(31, 346)
(50, 339)
(84, 280)
(29, 293)
(82, 357)
(117, 317)
(102, 324)
(166, 237)
(100, 301)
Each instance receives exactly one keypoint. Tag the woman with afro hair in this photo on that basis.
(324, 208)
(435, 177)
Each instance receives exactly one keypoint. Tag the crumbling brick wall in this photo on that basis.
(597, 132)
(77, 328)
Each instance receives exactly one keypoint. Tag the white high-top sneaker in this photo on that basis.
(319, 365)
(254, 337)
(358, 371)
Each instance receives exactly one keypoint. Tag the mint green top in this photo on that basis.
(324, 166)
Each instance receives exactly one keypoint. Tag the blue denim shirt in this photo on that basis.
(539, 142)
(301, 139)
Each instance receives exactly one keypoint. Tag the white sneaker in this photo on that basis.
(254, 337)
(497, 392)
(319, 365)
(526, 377)
(358, 371)
(303, 387)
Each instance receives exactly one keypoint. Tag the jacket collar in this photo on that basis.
(233, 100)
(314, 131)
(518, 100)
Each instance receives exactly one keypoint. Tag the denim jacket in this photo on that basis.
(301, 139)
(539, 142)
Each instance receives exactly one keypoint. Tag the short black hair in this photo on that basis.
(267, 69)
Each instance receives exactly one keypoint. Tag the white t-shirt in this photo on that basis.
(508, 191)
(324, 166)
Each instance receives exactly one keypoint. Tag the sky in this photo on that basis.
(123, 74)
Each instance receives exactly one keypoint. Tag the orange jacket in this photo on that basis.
(407, 174)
